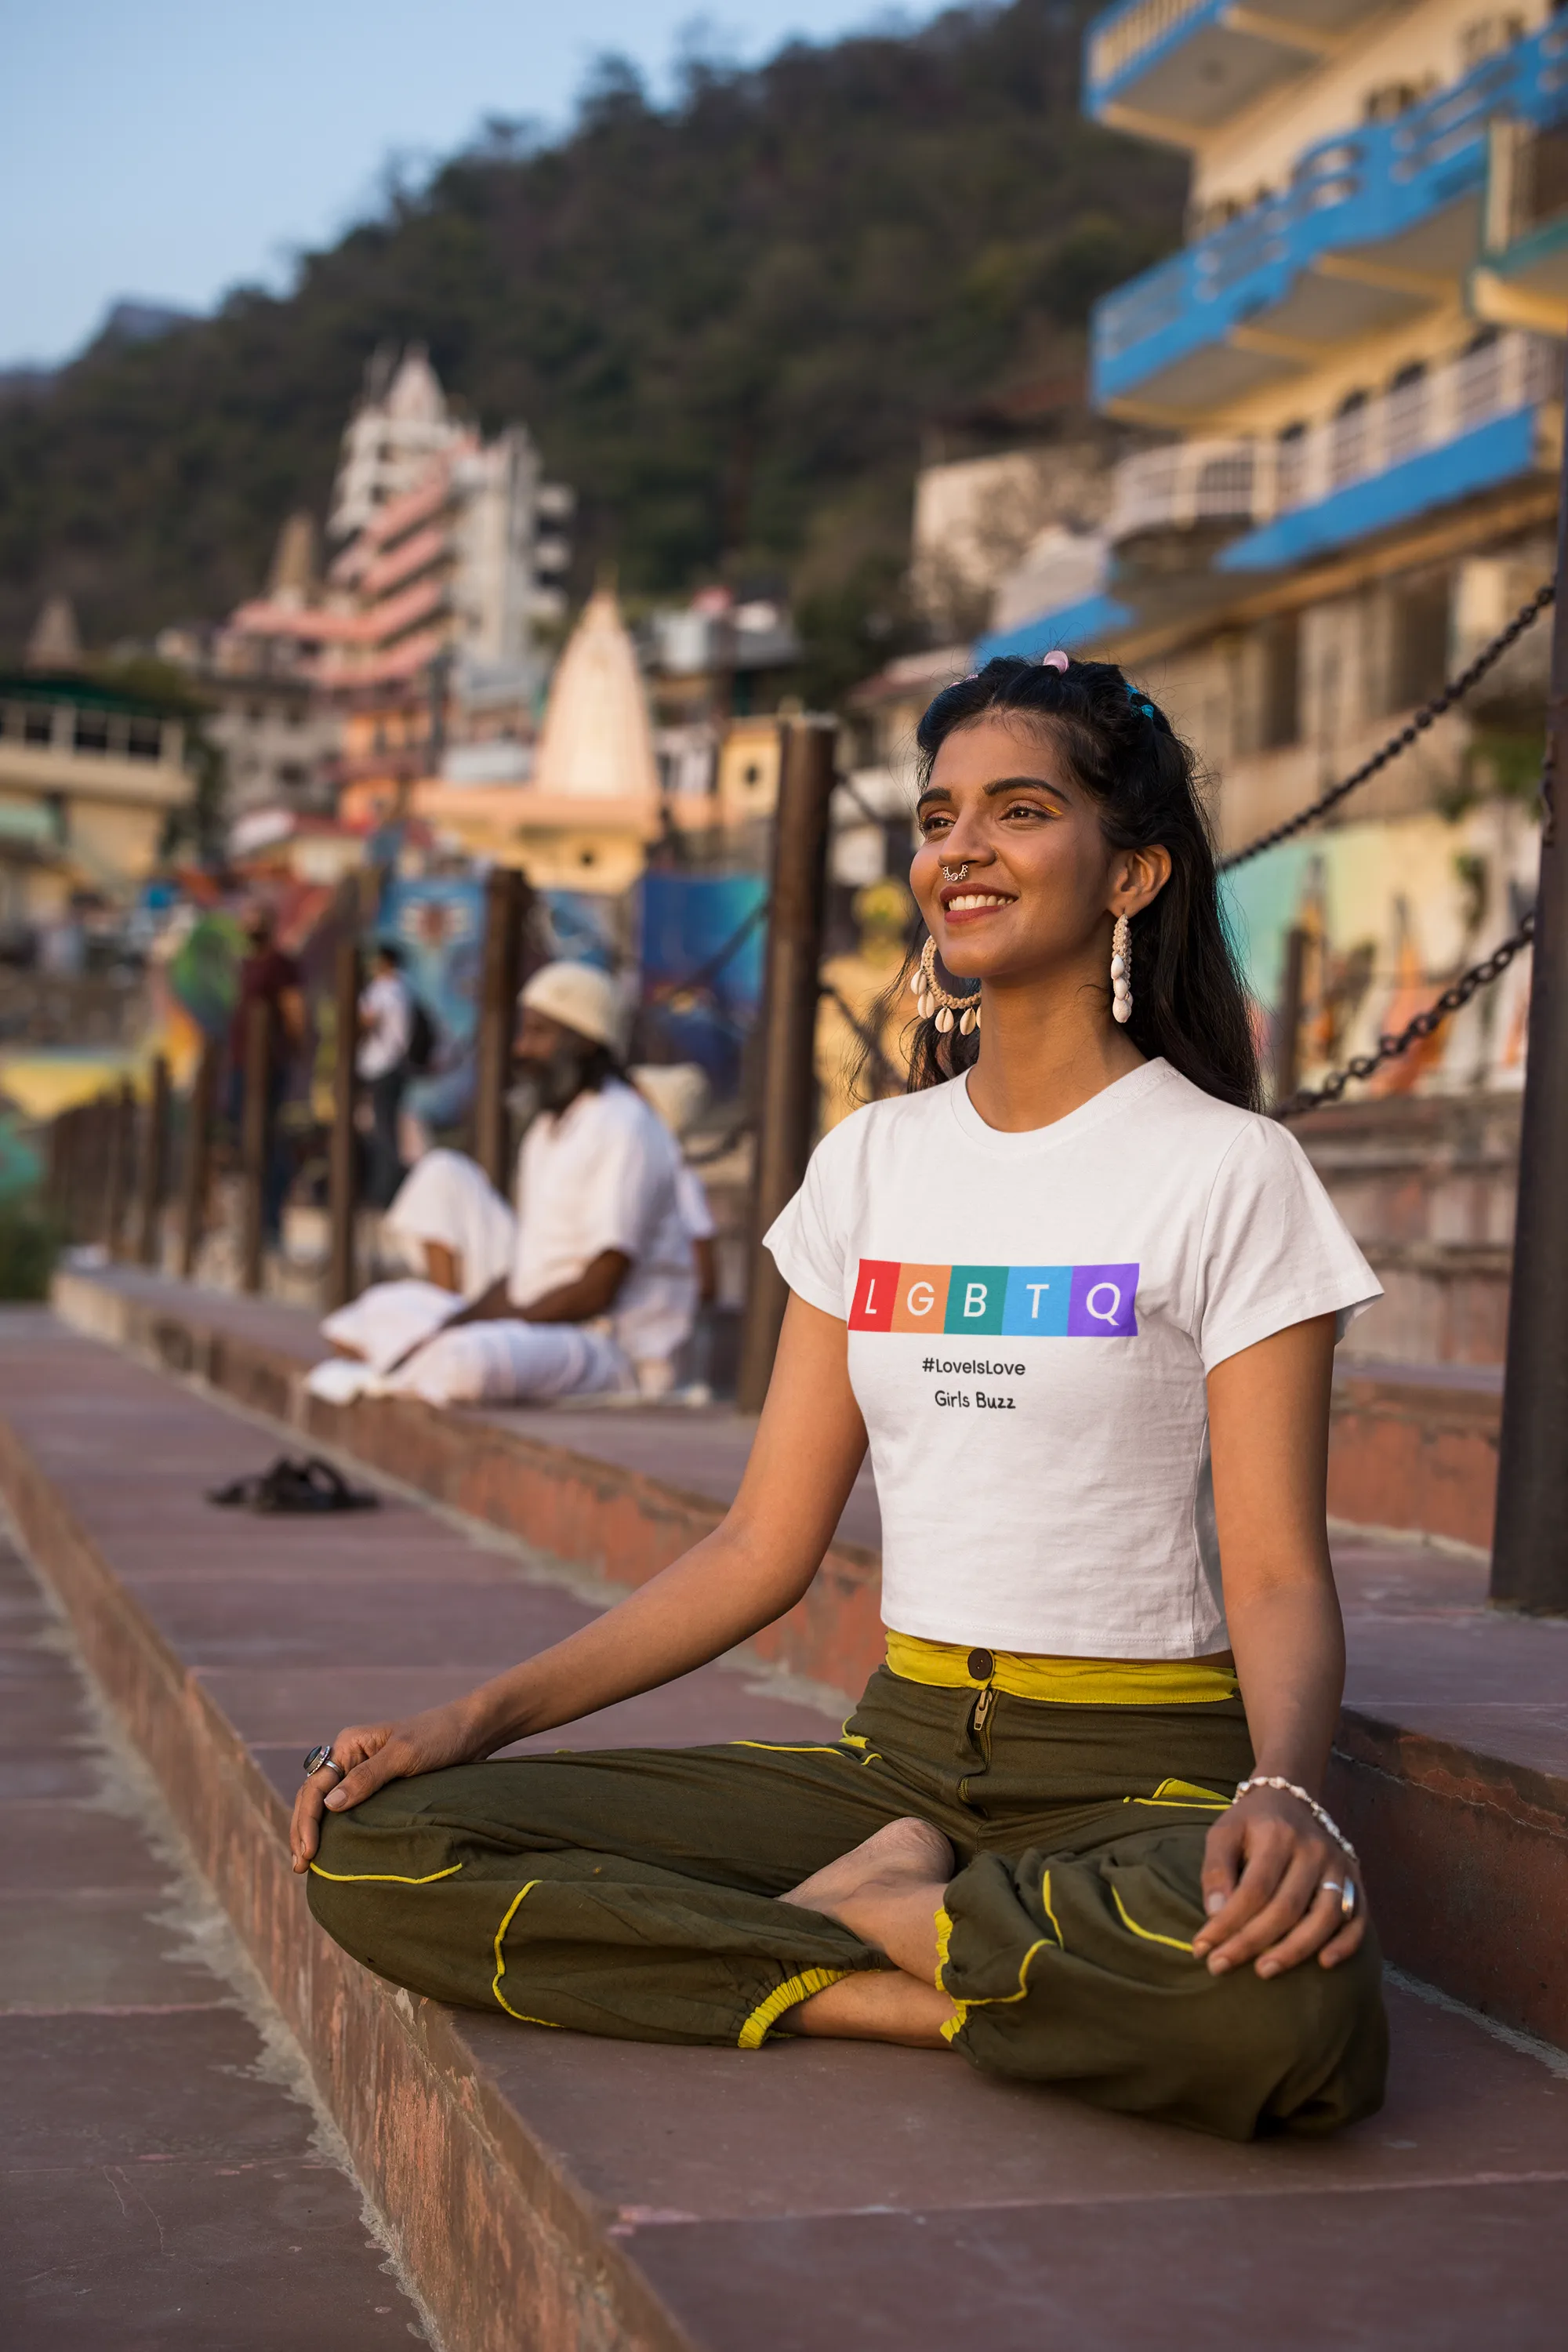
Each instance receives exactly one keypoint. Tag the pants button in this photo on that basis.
(982, 1665)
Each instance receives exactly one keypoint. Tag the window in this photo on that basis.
(91, 731)
(1487, 35)
(1405, 414)
(1291, 479)
(1418, 648)
(1280, 694)
(1389, 99)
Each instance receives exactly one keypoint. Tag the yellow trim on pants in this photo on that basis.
(763, 2019)
(521, 2015)
(1063, 1682)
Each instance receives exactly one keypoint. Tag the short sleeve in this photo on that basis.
(806, 1238)
(1275, 1250)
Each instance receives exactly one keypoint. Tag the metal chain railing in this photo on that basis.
(1427, 716)
(1453, 1000)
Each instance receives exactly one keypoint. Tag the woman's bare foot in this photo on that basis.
(887, 1892)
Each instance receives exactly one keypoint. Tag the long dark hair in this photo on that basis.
(1188, 1002)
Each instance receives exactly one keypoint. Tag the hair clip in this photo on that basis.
(1140, 703)
(1056, 659)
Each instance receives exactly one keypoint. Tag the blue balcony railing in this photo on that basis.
(1365, 188)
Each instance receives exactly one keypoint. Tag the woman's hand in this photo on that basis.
(376, 1753)
(1265, 1864)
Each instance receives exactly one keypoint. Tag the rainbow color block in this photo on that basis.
(1020, 1302)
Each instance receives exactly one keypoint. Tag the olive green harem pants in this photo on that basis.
(632, 1892)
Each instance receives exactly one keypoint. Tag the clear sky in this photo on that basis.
(166, 150)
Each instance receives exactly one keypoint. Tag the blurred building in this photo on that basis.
(277, 734)
(584, 819)
(718, 669)
(424, 642)
(1353, 371)
(90, 778)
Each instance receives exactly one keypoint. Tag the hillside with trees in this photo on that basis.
(732, 321)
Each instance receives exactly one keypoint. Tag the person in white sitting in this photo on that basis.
(590, 1286)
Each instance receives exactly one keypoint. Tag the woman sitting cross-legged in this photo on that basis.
(1081, 1301)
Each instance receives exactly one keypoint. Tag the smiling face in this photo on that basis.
(1043, 884)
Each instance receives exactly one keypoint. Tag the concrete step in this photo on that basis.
(166, 2185)
(550, 2190)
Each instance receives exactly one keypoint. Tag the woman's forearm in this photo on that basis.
(715, 1595)
(1289, 1644)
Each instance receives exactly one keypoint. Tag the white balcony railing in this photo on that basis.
(1129, 31)
(1252, 481)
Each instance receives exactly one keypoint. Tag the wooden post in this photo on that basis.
(76, 1195)
(1288, 1044)
(1530, 1556)
(196, 1168)
(256, 1142)
(60, 1171)
(155, 1169)
(122, 1138)
(343, 1163)
(786, 1108)
(507, 899)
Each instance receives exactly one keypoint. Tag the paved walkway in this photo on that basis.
(161, 2188)
(807, 2194)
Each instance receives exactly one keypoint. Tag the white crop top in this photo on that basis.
(1031, 1320)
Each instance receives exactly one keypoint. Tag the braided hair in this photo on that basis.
(1189, 1005)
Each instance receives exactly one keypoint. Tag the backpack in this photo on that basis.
(422, 1040)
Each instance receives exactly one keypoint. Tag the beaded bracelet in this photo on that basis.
(1321, 1813)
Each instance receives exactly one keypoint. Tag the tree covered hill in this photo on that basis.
(728, 321)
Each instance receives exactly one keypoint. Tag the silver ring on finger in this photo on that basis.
(322, 1760)
(1345, 1889)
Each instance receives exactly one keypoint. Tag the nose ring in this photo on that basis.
(955, 872)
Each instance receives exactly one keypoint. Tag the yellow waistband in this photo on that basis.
(1064, 1681)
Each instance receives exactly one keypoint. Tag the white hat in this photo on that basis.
(580, 997)
(676, 1090)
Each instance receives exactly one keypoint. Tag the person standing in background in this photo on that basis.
(271, 977)
(386, 1028)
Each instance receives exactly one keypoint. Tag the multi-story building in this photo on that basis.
(426, 635)
(89, 779)
(1349, 380)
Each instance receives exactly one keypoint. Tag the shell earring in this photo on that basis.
(935, 1002)
(1121, 971)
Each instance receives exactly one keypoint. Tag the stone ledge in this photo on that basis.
(431, 2133)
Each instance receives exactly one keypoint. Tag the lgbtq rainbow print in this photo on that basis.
(1021, 1302)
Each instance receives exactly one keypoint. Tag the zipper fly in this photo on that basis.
(977, 1725)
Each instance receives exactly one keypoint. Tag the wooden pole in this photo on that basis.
(196, 1166)
(59, 1173)
(1530, 1555)
(342, 1163)
(75, 1203)
(255, 1140)
(506, 901)
(155, 1169)
(787, 1109)
(122, 1125)
(1287, 1049)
